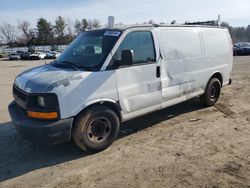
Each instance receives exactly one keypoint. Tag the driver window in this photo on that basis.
(141, 42)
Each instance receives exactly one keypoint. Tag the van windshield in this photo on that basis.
(90, 49)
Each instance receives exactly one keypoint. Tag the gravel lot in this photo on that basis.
(183, 146)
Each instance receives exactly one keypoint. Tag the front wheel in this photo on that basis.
(96, 128)
(212, 93)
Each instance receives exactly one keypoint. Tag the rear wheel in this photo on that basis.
(96, 128)
(212, 93)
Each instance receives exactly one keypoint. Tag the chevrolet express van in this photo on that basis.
(108, 76)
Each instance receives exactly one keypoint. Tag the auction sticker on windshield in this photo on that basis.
(112, 33)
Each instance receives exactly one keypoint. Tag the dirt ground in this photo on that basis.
(186, 145)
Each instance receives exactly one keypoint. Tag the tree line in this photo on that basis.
(238, 34)
(60, 32)
(63, 31)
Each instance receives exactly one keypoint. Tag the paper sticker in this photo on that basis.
(112, 33)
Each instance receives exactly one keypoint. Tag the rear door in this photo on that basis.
(139, 85)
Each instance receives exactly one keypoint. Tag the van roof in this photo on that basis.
(124, 27)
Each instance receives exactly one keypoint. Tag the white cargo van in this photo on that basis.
(108, 76)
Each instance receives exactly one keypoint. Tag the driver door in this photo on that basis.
(138, 85)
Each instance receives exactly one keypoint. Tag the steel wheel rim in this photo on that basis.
(214, 91)
(99, 130)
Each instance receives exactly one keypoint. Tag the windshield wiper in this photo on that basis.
(89, 68)
(66, 63)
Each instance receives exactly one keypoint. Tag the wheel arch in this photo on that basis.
(113, 105)
(219, 76)
(215, 75)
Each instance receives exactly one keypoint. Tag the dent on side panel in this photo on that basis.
(138, 88)
(187, 68)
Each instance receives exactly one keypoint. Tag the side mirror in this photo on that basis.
(127, 57)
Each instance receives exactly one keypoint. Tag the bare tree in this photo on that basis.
(96, 24)
(93, 24)
(8, 33)
(84, 24)
(90, 24)
(27, 32)
(70, 31)
(173, 22)
(151, 22)
(77, 27)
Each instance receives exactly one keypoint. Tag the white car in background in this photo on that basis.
(14, 56)
(37, 55)
(52, 54)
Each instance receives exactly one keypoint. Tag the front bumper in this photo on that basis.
(40, 131)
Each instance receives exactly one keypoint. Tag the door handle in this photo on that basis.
(158, 71)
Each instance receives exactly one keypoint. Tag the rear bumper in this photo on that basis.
(244, 52)
(40, 131)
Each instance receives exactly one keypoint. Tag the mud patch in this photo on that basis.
(231, 168)
(225, 110)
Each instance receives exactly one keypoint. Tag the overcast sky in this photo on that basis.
(235, 12)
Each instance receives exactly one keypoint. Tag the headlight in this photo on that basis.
(40, 101)
(43, 102)
(43, 106)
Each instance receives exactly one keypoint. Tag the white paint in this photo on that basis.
(187, 56)
(138, 87)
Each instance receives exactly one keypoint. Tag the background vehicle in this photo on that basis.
(57, 53)
(14, 56)
(52, 54)
(242, 48)
(25, 55)
(37, 55)
(49, 55)
(109, 76)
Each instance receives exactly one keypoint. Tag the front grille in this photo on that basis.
(20, 96)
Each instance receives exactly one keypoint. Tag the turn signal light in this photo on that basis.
(42, 115)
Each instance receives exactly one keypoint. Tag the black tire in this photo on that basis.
(212, 92)
(95, 129)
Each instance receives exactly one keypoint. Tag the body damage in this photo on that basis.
(186, 69)
(75, 89)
